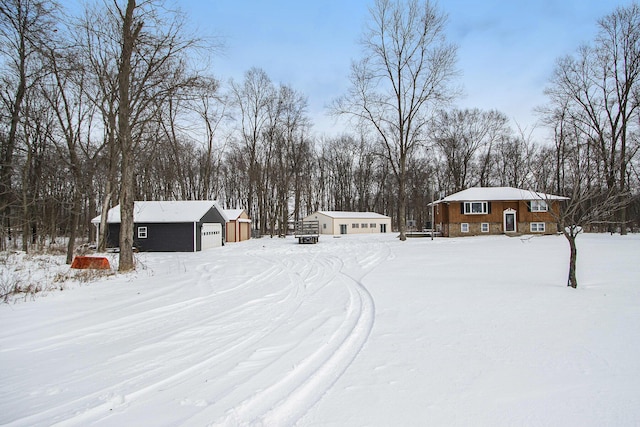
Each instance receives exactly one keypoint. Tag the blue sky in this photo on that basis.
(506, 48)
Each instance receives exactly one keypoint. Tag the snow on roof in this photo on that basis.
(233, 214)
(498, 193)
(165, 211)
(345, 214)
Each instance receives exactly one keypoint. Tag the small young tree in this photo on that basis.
(586, 206)
(591, 200)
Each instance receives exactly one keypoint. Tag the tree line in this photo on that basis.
(116, 103)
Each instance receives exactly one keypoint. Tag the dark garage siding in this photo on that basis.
(161, 237)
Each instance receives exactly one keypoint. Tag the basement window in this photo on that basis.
(464, 227)
(484, 227)
(142, 232)
(537, 227)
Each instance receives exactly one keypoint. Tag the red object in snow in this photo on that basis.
(85, 262)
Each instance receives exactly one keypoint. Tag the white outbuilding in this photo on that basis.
(339, 222)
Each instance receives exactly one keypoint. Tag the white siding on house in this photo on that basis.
(353, 222)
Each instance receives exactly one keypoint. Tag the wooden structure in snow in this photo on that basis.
(238, 226)
(307, 231)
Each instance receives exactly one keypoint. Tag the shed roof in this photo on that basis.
(354, 215)
(233, 214)
(165, 211)
(498, 193)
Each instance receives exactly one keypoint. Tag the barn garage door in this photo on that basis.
(211, 236)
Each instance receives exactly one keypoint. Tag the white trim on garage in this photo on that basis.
(211, 236)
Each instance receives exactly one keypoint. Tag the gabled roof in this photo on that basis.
(233, 214)
(165, 211)
(354, 215)
(488, 194)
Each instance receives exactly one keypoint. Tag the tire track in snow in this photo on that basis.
(287, 400)
(141, 380)
(267, 355)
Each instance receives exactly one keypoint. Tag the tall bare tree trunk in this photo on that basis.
(8, 148)
(75, 220)
(130, 32)
(402, 198)
(110, 186)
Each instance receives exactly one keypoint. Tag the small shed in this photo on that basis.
(238, 227)
(496, 210)
(342, 222)
(170, 226)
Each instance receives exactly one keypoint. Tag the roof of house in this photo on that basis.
(498, 193)
(354, 215)
(165, 211)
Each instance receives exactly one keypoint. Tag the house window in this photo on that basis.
(475, 208)
(142, 232)
(538, 206)
(354, 225)
(464, 227)
(364, 225)
(537, 227)
(372, 225)
(324, 226)
(484, 227)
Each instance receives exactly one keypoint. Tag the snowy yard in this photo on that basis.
(353, 331)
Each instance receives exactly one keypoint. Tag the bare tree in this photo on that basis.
(466, 138)
(25, 26)
(151, 67)
(96, 39)
(211, 108)
(601, 85)
(591, 200)
(513, 160)
(586, 206)
(406, 71)
(64, 92)
(253, 98)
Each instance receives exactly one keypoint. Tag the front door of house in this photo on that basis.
(383, 228)
(343, 228)
(510, 221)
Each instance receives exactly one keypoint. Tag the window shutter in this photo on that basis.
(488, 207)
(462, 208)
(529, 206)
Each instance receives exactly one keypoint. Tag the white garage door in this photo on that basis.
(211, 236)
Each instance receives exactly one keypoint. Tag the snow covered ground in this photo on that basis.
(353, 331)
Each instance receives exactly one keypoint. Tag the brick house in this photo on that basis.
(496, 210)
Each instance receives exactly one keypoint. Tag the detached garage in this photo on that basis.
(341, 222)
(170, 226)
